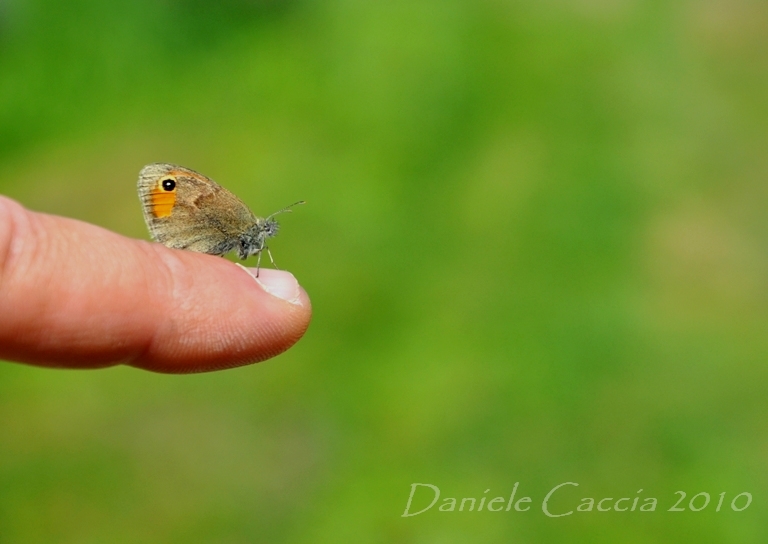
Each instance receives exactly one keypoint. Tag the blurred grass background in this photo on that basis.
(535, 242)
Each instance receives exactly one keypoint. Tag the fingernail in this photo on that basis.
(278, 283)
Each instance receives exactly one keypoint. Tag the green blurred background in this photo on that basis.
(535, 242)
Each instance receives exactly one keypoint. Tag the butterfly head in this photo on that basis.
(254, 240)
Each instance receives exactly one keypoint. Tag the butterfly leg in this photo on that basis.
(271, 259)
(258, 263)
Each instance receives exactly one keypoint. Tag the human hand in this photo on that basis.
(78, 296)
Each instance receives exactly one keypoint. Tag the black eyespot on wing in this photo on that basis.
(169, 184)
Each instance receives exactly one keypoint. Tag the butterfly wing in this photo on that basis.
(184, 209)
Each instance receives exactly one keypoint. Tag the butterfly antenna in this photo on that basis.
(286, 209)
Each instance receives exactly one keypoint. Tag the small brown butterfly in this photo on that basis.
(186, 210)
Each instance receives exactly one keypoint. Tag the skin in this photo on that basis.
(75, 295)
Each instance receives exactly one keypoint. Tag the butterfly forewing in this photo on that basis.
(184, 209)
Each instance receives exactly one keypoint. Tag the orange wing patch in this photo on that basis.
(161, 201)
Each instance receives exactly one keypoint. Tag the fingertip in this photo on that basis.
(219, 317)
